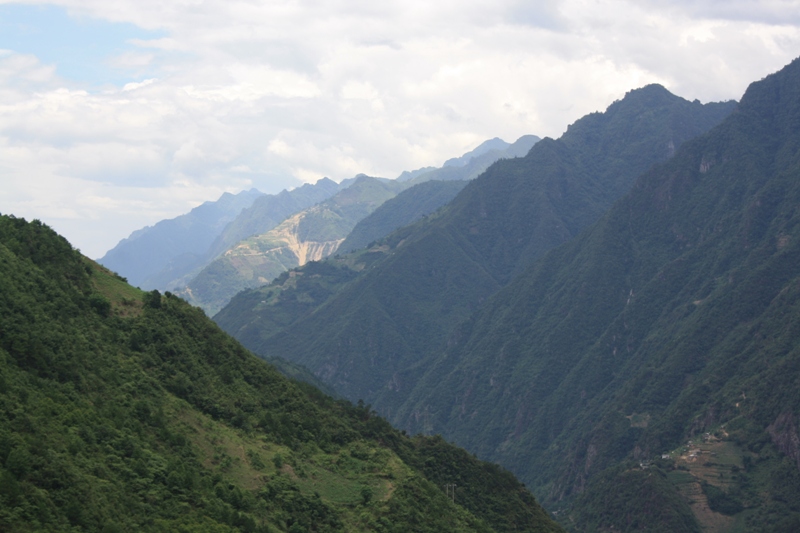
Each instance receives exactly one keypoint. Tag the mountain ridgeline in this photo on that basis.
(472, 164)
(124, 410)
(246, 257)
(668, 330)
(404, 209)
(312, 234)
(148, 253)
(374, 335)
(171, 252)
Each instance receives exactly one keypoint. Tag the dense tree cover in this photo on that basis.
(632, 499)
(374, 337)
(678, 309)
(123, 410)
(291, 295)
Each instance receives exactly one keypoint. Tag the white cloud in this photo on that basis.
(272, 94)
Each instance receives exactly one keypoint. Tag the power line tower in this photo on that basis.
(450, 490)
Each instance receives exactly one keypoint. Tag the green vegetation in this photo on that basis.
(374, 336)
(675, 317)
(632, 499)
(123, 410)
(720, 501)
(677, 313)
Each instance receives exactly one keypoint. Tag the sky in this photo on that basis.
(115, 114)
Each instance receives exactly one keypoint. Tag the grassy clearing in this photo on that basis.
(125, 299)
(242, 459)
(347, 480)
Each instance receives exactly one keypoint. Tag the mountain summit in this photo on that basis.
(659, 348)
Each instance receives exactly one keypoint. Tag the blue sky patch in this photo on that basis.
(79, 47)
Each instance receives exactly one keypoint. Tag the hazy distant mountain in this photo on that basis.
(179, 240)
(264, 214)
(495, 144)
(169, 254)
(408, 206)
(172, 251)
(474, 163)
(411, 174)
(269, 211)
(309, 235)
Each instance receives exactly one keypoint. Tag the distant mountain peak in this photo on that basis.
(486, 146)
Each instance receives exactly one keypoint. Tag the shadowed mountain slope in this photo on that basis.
(405, 208)
(375, 337)
(432, 189)
(667, 332)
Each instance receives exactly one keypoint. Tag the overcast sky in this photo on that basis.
(115, 114)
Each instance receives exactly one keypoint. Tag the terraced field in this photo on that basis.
(714, 461)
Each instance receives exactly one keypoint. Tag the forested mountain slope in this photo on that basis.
(129, 411)
(405, 208)
(669, 329)
(375, 337)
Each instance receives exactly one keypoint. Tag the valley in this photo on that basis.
(610, 315)
(518, 325)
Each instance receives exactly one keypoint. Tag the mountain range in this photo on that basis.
(204, 256)
(612, 317)
(147, 252)
(172, 251)
(311, 234)
(373, 338)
